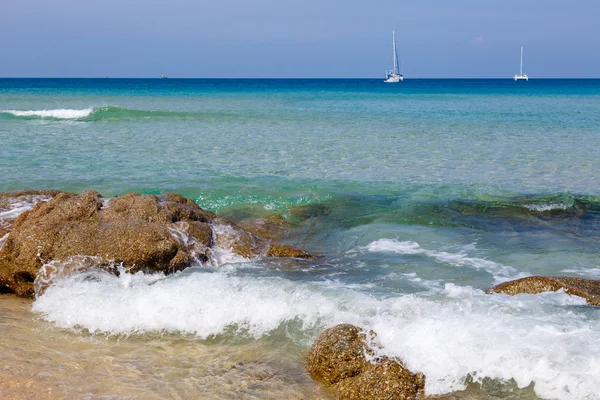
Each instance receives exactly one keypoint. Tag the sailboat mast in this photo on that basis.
(394, 59)
(521, 60)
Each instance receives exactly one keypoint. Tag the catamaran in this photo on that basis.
(521, 76)
(394, 76)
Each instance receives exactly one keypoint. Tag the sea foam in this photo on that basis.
(500, 272)
(549, 339)
(14, 207)
(64, 113)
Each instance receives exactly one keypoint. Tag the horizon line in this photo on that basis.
(278, 78)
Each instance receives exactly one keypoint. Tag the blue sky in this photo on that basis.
(301, 39)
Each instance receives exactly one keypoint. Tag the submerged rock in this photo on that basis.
(273, 227)
(280, 250)
(228, 235)
(589, 289)
(250, 245)
(342, 359)
(149, 233)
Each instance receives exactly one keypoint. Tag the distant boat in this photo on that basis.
(521, 76)
(164, 77)
(394, 76)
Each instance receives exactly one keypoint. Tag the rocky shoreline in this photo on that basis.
(149, 233)
(64, 233)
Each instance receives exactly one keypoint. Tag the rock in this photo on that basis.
(386, 380)
(134, 230)
(338, 353)
(201, 231)
(27, 193)
(589, 289)
(149, 233)
(248, 245)
(280, 250)
(273, 227)
(230, 236)
(338, 358)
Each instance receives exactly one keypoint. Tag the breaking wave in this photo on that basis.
(107, 113)
(451, 335)
(500, 272)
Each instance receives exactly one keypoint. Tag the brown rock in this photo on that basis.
(273, 227)
(24, 193)
(338, 353)
(338, 358)
(149, 233)
(280, 250)
(9, 199)
(201, 231)
(385, 380)
(589, 289)
(230, 236)
(132, 229)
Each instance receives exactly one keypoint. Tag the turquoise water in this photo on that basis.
(419, 196)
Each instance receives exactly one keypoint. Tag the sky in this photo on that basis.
(298, 38)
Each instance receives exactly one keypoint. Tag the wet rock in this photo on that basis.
(27, 193)
(201, 231)
(308, 211)
(339, 358)
(229, 235)
(273, 227)
(387, 379)
(338, 353)
(589, 289)
(149, 233)
(132, 230)
(248, 245)
(280, 250)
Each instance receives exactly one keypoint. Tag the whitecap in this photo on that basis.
(64, 113)
(499, 271)
(549, 339)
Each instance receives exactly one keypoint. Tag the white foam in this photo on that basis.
(550, 339)
(547, 207)
(15, 207)
(224, 237)
(586, 272)
(20, 204)
(58, 113)
(499, 272)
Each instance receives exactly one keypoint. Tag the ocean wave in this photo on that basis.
(106, 113)
(456, 333)
(593, 273)
(500, 272)
(64, 113)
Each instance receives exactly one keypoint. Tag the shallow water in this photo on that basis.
(42, 361)
(417, 198)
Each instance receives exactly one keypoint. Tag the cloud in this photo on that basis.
(479, 40)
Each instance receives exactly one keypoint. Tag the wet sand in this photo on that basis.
(40, 361)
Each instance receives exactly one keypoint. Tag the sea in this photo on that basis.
(416, 198)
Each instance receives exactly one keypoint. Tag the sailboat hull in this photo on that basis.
(394, 79)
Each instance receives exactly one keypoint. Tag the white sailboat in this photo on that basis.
(521, 76)
(394, 76)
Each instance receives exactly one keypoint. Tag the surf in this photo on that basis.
(109, 113)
